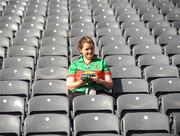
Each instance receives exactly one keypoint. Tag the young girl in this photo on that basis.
(89, 74)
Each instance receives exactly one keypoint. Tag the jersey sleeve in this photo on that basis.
(72, 70)
(106, 67)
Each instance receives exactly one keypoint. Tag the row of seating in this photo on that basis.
(136, 113)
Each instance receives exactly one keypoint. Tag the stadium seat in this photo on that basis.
(133, 103)
(175, 123)
(97, 123)
(47, 124)
(148, 122)
(163, 86)
(53, 104)
(43, 87)
(92, 104)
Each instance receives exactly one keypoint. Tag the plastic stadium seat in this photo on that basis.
(81, 17)
(29, 32)
(14, 11)
(160, 71)
(164, 86)
(57, 25)
(55, 32)
(22, 74)
(145, 10)
(21, 62)
(111, 40)
(54, 50)
(141, 4)
(176, 24)
(101, 11)
(22, 40)
(53, 104)
(57, 18)
(175, 123)
(75, 32)
(5, 42)
(52, 73)
(54, 10)
(146, 49)
(31, 12)
(14, 88)
(92, 104)
(169, 103)
(134, 30)
(125, 71)
(42, 87)
(34, 18)
(151, 16)
(140, 39)
(9, 25)
(129, 86)
(36, 25)
(120, 11)
(80, 11)
(78, 24)
(126, 17)
(157, 23)
(12, 105)
(152, 59)
(28, 51)
(157, 1)
(125, 25)
(112, 49)
(171, 49)
(10, 125)
(161, 4)
(171, 17)
(114, 60)
(11, 18)
(148, 122)
(47, 124)
(107, 23)
(97, 123)
(6, 33)
(129, 103)
(54, 40)
(108, 31)
(163, 30)
(175, 60)
(168, 39)
(169, 9)
(53, 61)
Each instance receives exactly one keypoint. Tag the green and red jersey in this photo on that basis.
(99, 66)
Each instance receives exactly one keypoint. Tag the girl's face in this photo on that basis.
(87, 51)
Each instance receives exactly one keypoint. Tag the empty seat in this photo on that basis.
(151, 17)
(171, 49)
(97, 123)
(92, 104)
(53, 104)
(148, 59)
(43, 87)
(114, 60)
(129, 103)
(148, 122)
(129, 86)
(157, 23)
(160, 71)
(168, 39)
(175, 123)
(54, 40)
(175, 60)
(53, 61)
(10, 125)
(169, 103)
(163, 86)
(47, 124)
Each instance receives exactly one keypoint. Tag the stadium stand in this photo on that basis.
(138, 38)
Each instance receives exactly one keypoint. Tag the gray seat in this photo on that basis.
(92, 104)
(42, 87)
(47, 124)
(97, 123)
(164, 86)
(133, 103)
(54, 104)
